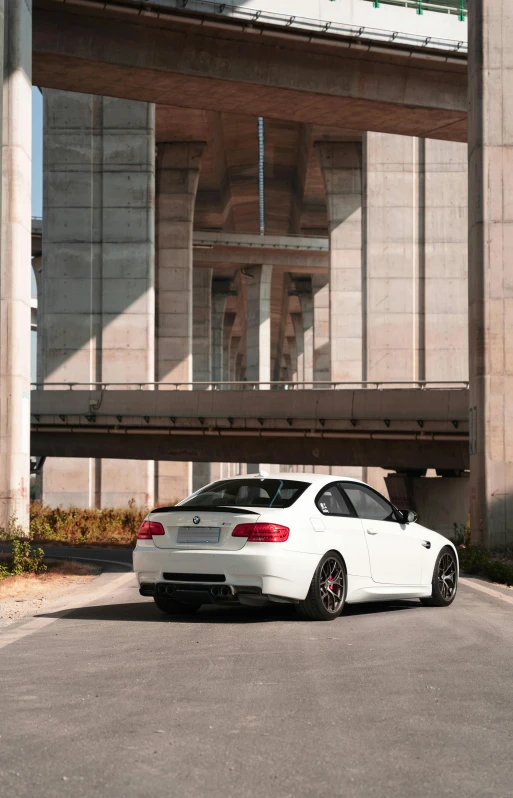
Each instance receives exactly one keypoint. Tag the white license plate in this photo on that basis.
(205, 534)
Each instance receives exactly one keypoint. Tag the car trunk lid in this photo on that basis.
(202, 529)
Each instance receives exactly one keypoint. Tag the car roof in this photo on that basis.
(299, 477)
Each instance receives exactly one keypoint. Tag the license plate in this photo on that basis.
(205, 534)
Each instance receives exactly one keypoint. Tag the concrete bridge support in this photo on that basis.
(16, 59)
(415, 255)
(201, 350)
(258, 321)
(341, 164)
(490, 282)
(178, 166)
(98, 272)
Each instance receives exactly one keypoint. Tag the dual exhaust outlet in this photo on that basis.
(221, 591)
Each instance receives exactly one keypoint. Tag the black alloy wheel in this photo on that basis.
(327, 594)
(445, 580)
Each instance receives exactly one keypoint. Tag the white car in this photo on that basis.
(311, 540)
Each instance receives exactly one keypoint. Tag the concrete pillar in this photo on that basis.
(228, 322)
(306, 304)
(201, 352)
(15, 276)
(178, 166)
(98, 272)
(415, 256)
(299, 347)
(341, 164)
(321, 327)
(218, 310)
(258, 324)
(444, 260)
(441, 502)
(490, 283)
(392, 262)
(201, 326)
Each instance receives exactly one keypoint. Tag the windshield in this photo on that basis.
(265, 493)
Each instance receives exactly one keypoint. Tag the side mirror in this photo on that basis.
(409, 516)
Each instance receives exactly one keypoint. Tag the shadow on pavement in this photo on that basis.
(147, 611)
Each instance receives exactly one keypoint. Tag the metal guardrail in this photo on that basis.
(456, 7)
(251, 386)
(298, 24)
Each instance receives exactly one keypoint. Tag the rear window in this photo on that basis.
(264, 493)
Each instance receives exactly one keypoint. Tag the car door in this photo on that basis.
(340, 529)
(395, 555)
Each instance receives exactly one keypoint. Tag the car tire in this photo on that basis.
(444, 587)
(172, 607)
(325, 603)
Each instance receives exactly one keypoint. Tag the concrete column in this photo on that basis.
(415, 257)
(258, 324)
(299, 347)
(178, 166)
(15, 276)
(321, 326)
(444, 260)
(201, 325)
(201, 352)
(490, 283)
(98, 272)
(341, 164)
(228, 322)
(392, 264)
(292, 347)
(218, 310)
(306, 304)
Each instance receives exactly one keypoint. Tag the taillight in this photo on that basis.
(150, 528)
(262, 532)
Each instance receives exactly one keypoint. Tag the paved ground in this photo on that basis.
(115, 699)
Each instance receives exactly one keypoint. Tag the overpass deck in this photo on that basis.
(392, 427)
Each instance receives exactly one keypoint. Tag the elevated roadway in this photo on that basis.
(326, 424)
(259, 65)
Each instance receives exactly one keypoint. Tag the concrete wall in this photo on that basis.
(98, 271)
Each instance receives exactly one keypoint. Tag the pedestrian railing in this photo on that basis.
(247, 385)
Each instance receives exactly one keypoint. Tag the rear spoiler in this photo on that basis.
(177, 508)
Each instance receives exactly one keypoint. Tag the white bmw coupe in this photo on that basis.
(311, 540)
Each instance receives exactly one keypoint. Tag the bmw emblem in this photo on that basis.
(196, 519)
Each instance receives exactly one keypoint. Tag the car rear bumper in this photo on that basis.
(285, 574)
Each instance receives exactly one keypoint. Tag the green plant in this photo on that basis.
(458, 536)
(479, 561)
(25, 559)
(12, 531)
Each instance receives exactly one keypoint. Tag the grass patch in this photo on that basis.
(478, 561)
(59, 577)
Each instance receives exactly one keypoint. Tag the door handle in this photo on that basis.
(426, 544)
(372, 531)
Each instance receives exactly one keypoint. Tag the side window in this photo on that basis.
(332, 502)
(368, 504)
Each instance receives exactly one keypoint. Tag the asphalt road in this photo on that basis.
(115, 699)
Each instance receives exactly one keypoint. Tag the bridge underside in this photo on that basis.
(195, 62)
(388, 453)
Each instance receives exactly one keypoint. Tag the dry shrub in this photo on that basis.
(77, 527)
